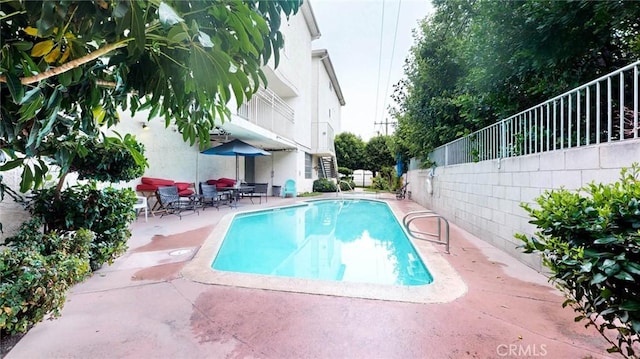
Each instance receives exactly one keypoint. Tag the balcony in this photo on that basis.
(269, 111)
(322, 138)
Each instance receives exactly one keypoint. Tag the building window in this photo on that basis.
(308, 165)
(330, 86)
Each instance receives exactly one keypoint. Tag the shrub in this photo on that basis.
(113, 159)
(107, 212)
(380, 183)
(324, 185)
(347, 184)
(345, 171)
(37, 270)
(590, 240)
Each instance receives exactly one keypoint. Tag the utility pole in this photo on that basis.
(386, 126)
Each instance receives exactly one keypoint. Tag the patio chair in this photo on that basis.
(210, 197)
(259, 190)
(171, 202)
(401, 193)
(289, 188)
(141, 205)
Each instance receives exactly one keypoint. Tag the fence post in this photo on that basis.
(446, 154)
(503, 140)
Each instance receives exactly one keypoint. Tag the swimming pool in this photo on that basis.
(446, 285)
(347, 240)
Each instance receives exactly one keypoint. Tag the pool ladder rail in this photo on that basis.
(435, 237)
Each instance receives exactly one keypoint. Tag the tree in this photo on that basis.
(476, 62)
(66, 67)
(378, 154)
(350, 151)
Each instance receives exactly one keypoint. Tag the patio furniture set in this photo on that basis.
(169, 197)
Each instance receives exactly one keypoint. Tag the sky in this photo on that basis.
(355, 33)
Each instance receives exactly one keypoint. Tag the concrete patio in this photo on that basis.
(143, 306)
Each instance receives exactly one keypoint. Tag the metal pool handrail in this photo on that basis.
(428, 236)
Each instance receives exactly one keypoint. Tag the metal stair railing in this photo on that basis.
(434, 237)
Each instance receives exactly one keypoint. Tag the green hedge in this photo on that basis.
(37, 270)
(324, 185)
(590, 240)
(107, 212)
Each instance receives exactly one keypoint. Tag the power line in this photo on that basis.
(375, 117)
(393, 49)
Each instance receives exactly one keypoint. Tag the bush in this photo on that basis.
(112, 160)
(324, 185)
(347, 184)
(37, 270)
(380, 183)
(107, 212)
(590, 240)
(345, 171)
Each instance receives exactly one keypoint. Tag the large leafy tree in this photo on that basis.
(350, 151)
(378, 154)
(67, 67)
(476, 62)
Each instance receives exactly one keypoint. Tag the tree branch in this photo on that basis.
(69, 65)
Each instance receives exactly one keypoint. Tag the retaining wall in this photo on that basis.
(484, 198)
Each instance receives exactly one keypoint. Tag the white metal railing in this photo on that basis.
(600, 111)
(322, 139)
(267, 110)
(438, 237)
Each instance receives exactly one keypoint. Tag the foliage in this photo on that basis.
(37, 270)
(324, 185)
(474, 63)
(590, 240)
(67, 67)
(107, 212)
(345, 171)
(350, 151)
(111, 160)
(378, 154)
(347, 184)
(380, 183)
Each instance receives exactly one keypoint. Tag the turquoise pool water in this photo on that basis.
(348, 240)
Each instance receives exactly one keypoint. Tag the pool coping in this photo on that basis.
(447, 284)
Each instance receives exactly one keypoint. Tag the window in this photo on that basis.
(330, 86)
(308, 165)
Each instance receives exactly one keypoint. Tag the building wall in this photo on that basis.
(484, 198)
(329, 107)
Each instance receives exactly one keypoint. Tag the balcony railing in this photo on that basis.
(603, 110)
(323, 137)
(269, 111)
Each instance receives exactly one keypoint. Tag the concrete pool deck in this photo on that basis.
(146, 305)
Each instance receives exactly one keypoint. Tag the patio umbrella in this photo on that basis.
(236, 148)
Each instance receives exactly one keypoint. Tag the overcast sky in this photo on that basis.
(351, 31)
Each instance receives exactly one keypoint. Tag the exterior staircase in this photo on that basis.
(328, 167)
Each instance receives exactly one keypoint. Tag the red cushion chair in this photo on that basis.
(157, 181)
(222, 183)
(227, 181)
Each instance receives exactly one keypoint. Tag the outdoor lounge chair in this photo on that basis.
(289, 188)
(210, 197)
(171, 202)
(401, 193)
(259, 190)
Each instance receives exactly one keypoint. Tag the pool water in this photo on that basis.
(339, 240)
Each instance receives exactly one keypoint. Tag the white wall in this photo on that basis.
(484, 198)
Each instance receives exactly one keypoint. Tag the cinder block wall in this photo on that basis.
(484, 198)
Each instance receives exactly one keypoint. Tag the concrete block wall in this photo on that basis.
(484, 198)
